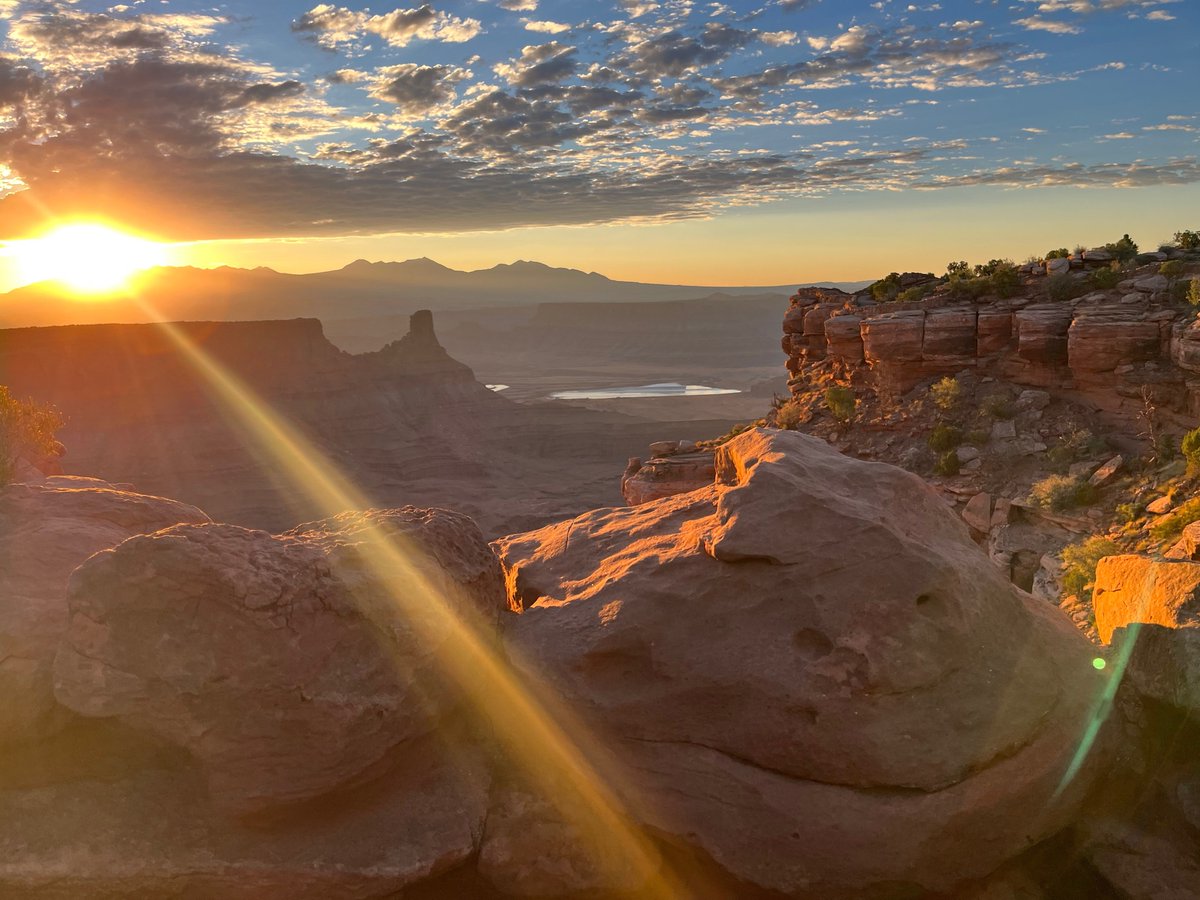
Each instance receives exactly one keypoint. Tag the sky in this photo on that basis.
(739, 143)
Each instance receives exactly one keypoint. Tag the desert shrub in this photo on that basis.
(1128, 513)
(1062, 287)
(977, 437)
(1172, 268)
(1006, 280)
(914, 294)
(1106, 278)
(1124, 249)
(946, 393)
(1187, 240)
(1193, 292)
(789, 416)
(1080, 560)
(27, 428)
(944, 437)
(947, 463)
(886, 288)
(1060, 492)
(1190, 448)
(1076, 444)
(1174, 522)
(999, 407)
(1060, 253)
(841, 402)
(962, 269)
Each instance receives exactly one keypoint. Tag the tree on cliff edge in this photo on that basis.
(27, 430)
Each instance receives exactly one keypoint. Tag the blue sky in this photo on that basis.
(289, 131)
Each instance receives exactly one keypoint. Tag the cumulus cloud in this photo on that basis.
(539, 64)
(1037, 23)
(414, 89)
(336, 26)
(547, 27)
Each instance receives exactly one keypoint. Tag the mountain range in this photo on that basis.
(361, 289)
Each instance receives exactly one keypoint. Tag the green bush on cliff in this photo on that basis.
(1060, 492)
(947, 464)
(1193, 292)
(1062, 287)
(1190, 448)
(1080, 560)
(841, 402)
(1060, 253)
(886, 289)
(27, 428)
(1187, 240)
(1171, 526)
(1105, 279)
(944, 437)
(1172, 268)
(789, 416)
(1124, 249)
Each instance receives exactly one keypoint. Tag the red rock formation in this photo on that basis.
(810, 672)
(46, 530)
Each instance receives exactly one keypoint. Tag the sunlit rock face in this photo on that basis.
(810, 672)
(46, 530)
(286, 665)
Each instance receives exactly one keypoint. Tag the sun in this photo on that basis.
(88, 258)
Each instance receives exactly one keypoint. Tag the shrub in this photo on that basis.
(1062, 287)
(1193, 292)
(1059, 492)
(1006, 280)
(961, 269)
(1079, 563)
(1128, 513)
(1172, 268)
(1190, 448)
(947, 463)
(944, 437)
(886, 288)
(1124, 249)
(946, 393)
(1187, 240)
(27, 428)
(914, 294)
(841, 402)
(1173, 523)
(789, 416)
(977, 437)
(999, 407)
(1106, 278)
(1060, 253)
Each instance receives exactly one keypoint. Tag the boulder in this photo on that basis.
(1057, 266)
(663, 448)
(817, 724)
(1151, 284)
(978, 512)
(1105, 473)
(1033, 400)
(287, 666)
(1164, 664)
(667, 477)
(844, 338)
(1004, 430)
(1130, 588)
(1159, 507)
(46, 530)
(1188, 545)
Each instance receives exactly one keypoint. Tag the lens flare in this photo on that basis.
(541, 738)
(87, 257)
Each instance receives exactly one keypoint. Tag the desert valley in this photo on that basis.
(624, 450)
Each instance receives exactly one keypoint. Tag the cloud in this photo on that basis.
(336, 26)
(1037, 23)
(547, 27)
(777, 38)
(414, 89)
(1100, 175)
(539, 64)
(518, 5)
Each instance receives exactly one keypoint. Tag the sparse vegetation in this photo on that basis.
(1171, 525)
(977, 437)
(1124, 250)
(789, 416)
(1172, 268)
(1187, 240)
(1062, 287)
(999, 407)
(1105, 279)
(887, 288)
(1193, 292)
(27, 428)
(1190, 448)
(1080, 560)
(946, 393)
(947, 464)
(944, 437)
(914, 294)
(841, 402)
(1060, 253)
(1060, 492)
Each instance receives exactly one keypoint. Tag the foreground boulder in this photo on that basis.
(260, 717)
(285, 664)
(1139, 589)
(46, 530)
(810, 672)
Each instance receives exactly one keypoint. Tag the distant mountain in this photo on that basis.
(361, 289)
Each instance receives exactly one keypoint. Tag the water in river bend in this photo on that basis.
(667, 389)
